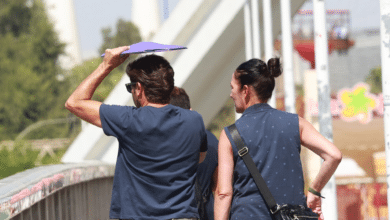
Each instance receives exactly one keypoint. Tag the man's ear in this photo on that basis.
(138, 89)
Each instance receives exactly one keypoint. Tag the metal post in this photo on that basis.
(329, 205)
(287, 46)
(268, 39)
(256, 29)
(385, 54)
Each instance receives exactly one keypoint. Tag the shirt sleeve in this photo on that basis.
(204, 146)
(115, 119)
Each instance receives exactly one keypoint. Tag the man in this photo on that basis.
(206, 174)
(159, 144)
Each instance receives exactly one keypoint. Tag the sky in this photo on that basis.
(93, 15)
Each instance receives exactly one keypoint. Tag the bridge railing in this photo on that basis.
(63, 191)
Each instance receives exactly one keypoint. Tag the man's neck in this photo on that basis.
(156, 105)
(144, 102)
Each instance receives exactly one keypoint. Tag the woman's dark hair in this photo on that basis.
(155, 74)
(261, 76)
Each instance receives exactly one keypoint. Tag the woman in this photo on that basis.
(273, 138)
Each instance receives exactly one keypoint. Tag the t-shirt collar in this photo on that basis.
(256, 108)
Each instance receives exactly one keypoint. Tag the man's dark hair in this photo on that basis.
(155, 74)
(180, 98)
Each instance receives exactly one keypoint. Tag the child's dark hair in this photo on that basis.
(180, 98)
(261, 76)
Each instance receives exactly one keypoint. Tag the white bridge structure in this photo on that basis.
(219, 35)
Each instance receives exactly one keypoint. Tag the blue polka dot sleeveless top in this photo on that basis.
(273, 140)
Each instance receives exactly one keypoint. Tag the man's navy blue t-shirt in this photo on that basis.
(157, 160)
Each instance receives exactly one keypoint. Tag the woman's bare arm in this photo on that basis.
(224, 191)
(331, 155)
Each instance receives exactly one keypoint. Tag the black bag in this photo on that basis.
(294, 212)
(279, 212)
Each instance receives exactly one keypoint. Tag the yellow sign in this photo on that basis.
(357, 103)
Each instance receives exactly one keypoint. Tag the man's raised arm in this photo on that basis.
(80, 103)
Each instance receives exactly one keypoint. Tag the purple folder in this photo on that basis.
(148, 47)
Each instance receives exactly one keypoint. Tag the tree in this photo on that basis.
(80, 72)
(127, 33)
(29, 49)
(16, 160)
(14, 24)
(374, 79)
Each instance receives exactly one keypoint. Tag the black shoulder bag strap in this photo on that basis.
(260, 183)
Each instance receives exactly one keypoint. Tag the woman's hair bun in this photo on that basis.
(274, 67)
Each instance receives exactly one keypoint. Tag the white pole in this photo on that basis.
(248, 31)
(256, 29)
(248, 37)
(287, 47)
(268, 39)
(329, 205)
(385, 55)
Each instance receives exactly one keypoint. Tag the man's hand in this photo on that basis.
(314, 202)
(113, 57)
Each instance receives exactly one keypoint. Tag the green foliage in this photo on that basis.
(29, 49)
(53, 131)
(47, 159)
(19, 158)
(126, 34)
(29, 86)
(9, 22)
(80, 72)
(225, 117)
(374, 79)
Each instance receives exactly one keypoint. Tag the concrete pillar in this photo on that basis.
(256, 29)
(287, 48)
(268, 40)
(146, 15)
(63, 16)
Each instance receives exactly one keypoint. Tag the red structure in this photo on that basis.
(307, 51)
(303, 34)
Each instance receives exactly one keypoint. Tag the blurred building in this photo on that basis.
(349, 68)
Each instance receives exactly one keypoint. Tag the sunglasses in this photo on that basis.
(129, 86)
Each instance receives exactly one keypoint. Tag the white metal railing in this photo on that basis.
(63, 191)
